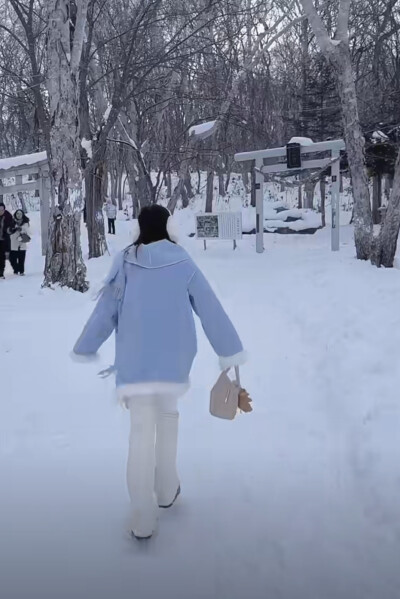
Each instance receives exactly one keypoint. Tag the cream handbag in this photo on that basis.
(228, 396)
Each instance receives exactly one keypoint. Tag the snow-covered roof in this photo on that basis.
(303, 141)
(379, 136)
(203, 130)
(26, 160)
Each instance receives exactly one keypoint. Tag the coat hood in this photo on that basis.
(156, 255)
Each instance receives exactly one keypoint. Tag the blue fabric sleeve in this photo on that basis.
(100, 325)
(216, 324)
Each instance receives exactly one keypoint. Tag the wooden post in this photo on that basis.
(335, 239)
(259, 182)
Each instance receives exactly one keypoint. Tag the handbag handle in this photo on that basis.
(237, 374)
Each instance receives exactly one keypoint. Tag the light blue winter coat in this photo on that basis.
(149, 299)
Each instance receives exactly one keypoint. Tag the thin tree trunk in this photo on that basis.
(246, 183)
(22, 201)
(228, 179)
(221, 185)
(131, 176)
(300, 198)
(168, 182)
(309, 189)
(385, 246)
(119, 190)
(210, 191)
(183, 189)
(376, 199)
(198, 182)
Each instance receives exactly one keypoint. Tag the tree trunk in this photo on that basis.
(385, 246)
(131, 176)
(245, 179)
(188, 185)
(221, 185)
(388, 187)
(300, 198)
(228, 179)
(22, 201)
(376, 199)
(114, 184)
(95, 186)
(187, 191)
(337, 51)
(183, 189)
(119, 190)
(210, 191)
(355, 146)
(253, 197)
(309, 189)
(168, 183)
(323, 201)
(64, 262)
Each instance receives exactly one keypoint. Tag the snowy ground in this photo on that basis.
(299, 500)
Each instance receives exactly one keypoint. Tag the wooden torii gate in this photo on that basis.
(299, 154)
(30, 173)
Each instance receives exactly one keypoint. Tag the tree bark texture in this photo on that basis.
(309, 189)
(94, 185)
(64, 262)
(376, 198)
(210, 191)
(385, 245)
(338, 53)
(355, 147)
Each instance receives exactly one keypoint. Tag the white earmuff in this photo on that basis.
(135, 231)
(173, 229)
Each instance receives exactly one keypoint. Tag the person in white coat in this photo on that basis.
(20, 235)
(111, 213)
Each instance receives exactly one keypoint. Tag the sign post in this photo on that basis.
(222, 225)
(259, 182)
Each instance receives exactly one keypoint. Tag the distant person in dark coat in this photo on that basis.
(6, 221)
(19, 237)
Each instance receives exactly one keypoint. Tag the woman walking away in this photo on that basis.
(149, 299)
(111, 213)
(6, 222)
(19, 237)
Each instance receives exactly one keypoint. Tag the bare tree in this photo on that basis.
(337, 51)
(64, 262)
(385, 245)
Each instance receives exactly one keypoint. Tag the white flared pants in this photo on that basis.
(152, 476)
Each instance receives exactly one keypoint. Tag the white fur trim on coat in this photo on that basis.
(126, 392)
(239, 359)
(135, 231)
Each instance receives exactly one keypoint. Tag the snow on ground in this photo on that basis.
(298, 500)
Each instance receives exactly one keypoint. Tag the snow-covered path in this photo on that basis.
(297, 501)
